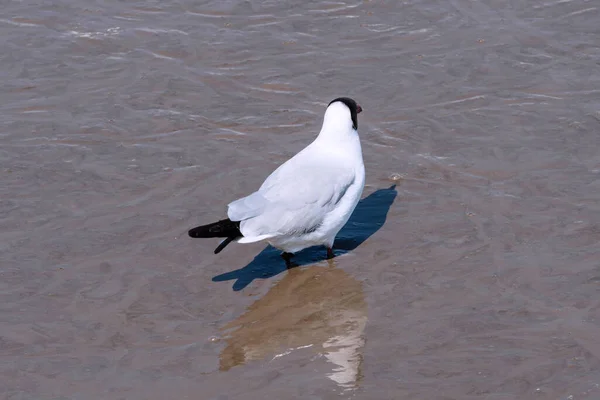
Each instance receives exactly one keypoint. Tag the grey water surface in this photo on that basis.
(125, 123)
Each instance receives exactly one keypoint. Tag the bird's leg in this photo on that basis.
(330, 254)
(287, 257)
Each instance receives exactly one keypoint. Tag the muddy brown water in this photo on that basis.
(123, 124)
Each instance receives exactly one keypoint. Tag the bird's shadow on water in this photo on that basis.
(368, 217)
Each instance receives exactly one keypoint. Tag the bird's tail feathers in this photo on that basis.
(253, 239)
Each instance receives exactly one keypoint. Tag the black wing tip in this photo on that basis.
(224, 244)
(194, 233)
(223, 228)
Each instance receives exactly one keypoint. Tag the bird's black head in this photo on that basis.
(355, 109)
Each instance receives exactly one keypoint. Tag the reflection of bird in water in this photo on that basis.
(316, 306)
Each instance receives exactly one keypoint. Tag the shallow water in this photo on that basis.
(123, 124)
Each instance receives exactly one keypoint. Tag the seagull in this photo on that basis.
(306, 200)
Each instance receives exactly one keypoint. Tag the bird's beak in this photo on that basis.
(358, 109)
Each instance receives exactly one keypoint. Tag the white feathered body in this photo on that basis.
(308, 199)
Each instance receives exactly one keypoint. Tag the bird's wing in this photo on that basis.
(255, 203)
(246, 207)
(295, 198)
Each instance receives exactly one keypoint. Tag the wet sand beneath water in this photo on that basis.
(471, 269)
